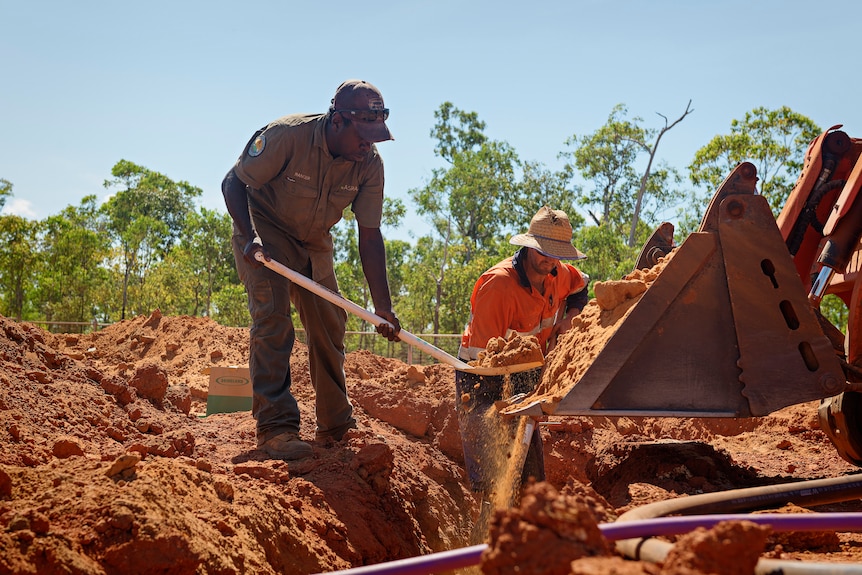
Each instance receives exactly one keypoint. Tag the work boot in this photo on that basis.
(287, 446)
(335, 435)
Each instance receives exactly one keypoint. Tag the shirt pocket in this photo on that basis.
(297, 202)
(339, 198)
(342, 196)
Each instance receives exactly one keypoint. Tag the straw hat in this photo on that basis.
(551, 233)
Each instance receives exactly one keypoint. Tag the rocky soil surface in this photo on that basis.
(109, 466)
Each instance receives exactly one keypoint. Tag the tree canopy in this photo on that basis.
(5, 191)
(775, 141)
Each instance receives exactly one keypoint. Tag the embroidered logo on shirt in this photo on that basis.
(257, 146)
(302, 176)
(349, 188)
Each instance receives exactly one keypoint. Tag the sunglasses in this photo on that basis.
(367, 115)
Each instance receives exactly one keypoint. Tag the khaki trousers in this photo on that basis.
(271, 342)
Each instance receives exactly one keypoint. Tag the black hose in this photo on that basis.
(814, 492)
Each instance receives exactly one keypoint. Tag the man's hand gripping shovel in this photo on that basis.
(376, 320)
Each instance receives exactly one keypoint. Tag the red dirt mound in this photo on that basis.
(107, 464)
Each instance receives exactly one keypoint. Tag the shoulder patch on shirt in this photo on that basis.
(257, 146)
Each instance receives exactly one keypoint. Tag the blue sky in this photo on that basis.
(178, 87)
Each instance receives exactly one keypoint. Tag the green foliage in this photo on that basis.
(349, 271)
(195, 269)
(18, 238)
(624, 202)
(606, 158)
(456, 131)
(775, 141)
(73, 279)
(146, 218)
(835, 310)
(5, 191)
(420, 270)
(230, 305)
(149, 194)
(542, 187)
(485, 195)
(621, 194)
(436, 299)
(204, 258)
(608, 256)
(471, 202)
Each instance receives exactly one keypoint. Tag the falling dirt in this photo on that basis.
(109, 466)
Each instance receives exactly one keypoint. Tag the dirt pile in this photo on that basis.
(513, 350)
(107, 464)
(590, 332)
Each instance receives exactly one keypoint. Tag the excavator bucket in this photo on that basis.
(725, 330)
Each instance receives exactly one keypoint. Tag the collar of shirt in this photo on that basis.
(319, 138)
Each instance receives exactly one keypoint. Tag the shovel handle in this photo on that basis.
(359, 311)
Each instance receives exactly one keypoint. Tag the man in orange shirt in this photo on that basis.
(532, 293)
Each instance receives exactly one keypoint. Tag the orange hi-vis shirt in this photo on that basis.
(504, 303)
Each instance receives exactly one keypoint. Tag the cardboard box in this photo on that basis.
(229, 390)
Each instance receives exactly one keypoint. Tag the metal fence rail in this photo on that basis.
(61, 326)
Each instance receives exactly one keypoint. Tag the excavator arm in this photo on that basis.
(822, 225)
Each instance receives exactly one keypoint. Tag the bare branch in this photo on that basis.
(645, 177)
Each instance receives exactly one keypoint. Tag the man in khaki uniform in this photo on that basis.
(285, 192)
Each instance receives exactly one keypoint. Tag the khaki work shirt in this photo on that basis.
(296, 188)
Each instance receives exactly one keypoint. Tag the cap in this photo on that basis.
(551, 233)
(365, 103)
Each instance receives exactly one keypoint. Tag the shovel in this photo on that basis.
(375, 319)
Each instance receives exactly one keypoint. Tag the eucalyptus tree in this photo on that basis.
(417, 311)
(207, 240)
(196, 267)
(468, 204)
(230, 305)
(145, 218)
(775, 141)
(473, 204)
(5, 191)
(72, 281)
(626, 191)
(18, 244)
(622, 193)
(456, 130)
(542, 187)
(608, 256)
(431, 305)
(471, 201)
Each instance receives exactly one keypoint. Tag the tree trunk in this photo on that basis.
(645, 178)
